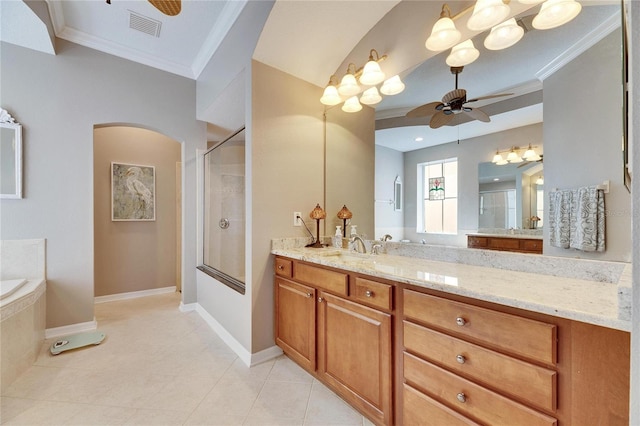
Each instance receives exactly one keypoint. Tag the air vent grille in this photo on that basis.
(144, 24)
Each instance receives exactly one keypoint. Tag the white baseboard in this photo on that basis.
(189, 307)
(51, 333)
(265, 355)
(134, 294)
(245, 356)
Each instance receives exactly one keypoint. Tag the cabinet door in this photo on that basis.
(296, 322)
(354, 354)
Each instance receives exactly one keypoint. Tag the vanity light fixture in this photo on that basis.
(540, 180)
(504, 35)
(462, 54)
(513, 157)
(349, 89)
(531, 155)
(444, 33)
(486, 14)
(554, 13)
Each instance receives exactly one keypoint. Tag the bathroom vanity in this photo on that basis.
(404, 340)
(517, 243)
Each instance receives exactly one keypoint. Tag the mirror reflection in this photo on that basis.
(511, 196)
(10, 157)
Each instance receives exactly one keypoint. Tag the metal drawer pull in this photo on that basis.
(320, 299)
(309, 294)
(280, 267)
(461, 321)
(461, 359)
(461, 397)
(368, 293)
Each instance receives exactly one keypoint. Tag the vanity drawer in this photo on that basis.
(532, 245)
(477, 242)
(470, 398)
(520, 336)
(418, 408)
(491, 368)
(332, 281)
(504, 244)
(372, 293)
(283, 267)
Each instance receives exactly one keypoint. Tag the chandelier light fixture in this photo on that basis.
(493, 14)
(351, 85)
(513, 157)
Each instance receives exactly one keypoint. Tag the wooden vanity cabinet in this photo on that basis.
(521, 245)
(338, 326)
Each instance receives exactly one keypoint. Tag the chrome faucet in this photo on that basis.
(358, 244)
(375, 247)
(386, 237)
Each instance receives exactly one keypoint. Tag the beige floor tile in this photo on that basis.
(282, 400)
(46, 413)
(101, 415)
(326, 408)
(239, 371)
(234, 398)
(144, 417)
(285, 370)
(11, 407)
(271, 421)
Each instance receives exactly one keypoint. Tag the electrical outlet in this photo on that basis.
(297, 219)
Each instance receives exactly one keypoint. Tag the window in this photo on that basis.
(438, 197)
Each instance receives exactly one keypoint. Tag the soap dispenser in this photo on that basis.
(337, 239)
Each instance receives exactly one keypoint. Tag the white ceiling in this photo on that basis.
(312, 39)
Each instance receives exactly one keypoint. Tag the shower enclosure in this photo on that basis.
(224, 212)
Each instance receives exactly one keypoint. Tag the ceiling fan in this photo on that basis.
(453, 103)
(168, 7)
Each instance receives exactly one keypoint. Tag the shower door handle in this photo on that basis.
(224, 223)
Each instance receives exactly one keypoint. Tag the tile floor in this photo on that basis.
(159, 366)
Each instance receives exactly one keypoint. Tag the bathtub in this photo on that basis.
(22, 307)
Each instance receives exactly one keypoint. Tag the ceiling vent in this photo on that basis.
(144, 24)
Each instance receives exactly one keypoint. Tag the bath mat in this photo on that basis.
(76, 341)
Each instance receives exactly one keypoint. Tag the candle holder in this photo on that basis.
(317, 213)
(344, 214)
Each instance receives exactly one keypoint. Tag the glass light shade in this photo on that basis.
(497, 158)
(392, 86)
(443, 35)
(504, 35)
(514, 158)
(345, 213)
(370, 96)
(530, 1)
(529, 153)
(462, 54)
(486, 14)
(330, 96)
(554, 13)
(348, 86)
(534, 158)
(371, 74)
(318, 213)
(502, 162)
(352, 105)
(540, 181)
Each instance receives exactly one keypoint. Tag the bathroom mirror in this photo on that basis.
(431, 79)
(10, 157)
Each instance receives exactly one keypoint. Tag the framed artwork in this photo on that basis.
(133, 192)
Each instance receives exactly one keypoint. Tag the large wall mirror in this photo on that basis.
(10, 157)
(523, 69)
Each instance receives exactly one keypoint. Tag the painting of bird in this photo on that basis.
(133, 189)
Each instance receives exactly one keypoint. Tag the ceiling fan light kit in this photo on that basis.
(369, 75)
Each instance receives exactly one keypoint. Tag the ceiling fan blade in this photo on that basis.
(168, 7)
(489, 97)
(478, 114)
(424, 110)
(439, 119)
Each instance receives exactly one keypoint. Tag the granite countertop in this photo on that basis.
(518, 236)
(606, 304)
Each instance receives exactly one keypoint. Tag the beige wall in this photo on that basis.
(134, 256)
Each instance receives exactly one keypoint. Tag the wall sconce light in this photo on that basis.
(349, 89)
(317, 213)
(444, 33)
(554, 13)
(344, 214)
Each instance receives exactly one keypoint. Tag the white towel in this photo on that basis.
(587, 219)
(560, 218)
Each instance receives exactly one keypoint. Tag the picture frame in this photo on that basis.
(133, 192)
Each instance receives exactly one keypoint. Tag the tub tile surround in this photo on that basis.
(590, 291)
(23, 313)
